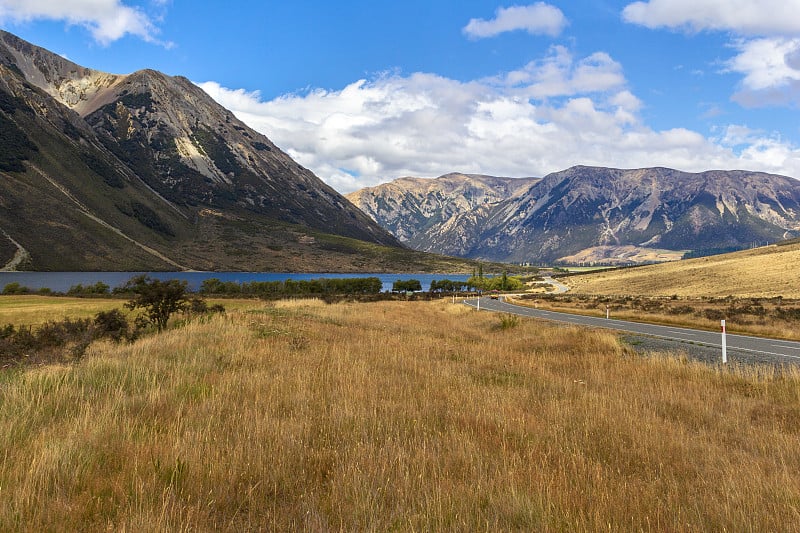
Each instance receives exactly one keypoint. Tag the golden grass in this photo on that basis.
(35, 310)
(394, 416)
(656, 311)
(762, 272)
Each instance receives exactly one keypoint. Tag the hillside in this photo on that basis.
(146, 172)
(599, 215)
(768, 271)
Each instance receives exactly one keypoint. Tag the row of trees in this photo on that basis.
(322, 286)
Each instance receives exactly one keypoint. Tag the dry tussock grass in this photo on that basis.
(36, 310)
(762, 272)
(394, 415)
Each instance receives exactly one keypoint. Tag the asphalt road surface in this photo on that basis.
(756, 349)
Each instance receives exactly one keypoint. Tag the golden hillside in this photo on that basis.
(766, 272)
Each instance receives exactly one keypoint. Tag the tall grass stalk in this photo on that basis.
(394, 415)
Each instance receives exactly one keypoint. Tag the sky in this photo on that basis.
(363, 92)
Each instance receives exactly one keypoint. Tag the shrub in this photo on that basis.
(508, 321)
(16, 288)
(111, 324)
(159, 299)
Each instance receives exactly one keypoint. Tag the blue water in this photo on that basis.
(62, 281)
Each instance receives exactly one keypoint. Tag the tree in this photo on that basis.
(406, 285)
(159, 299)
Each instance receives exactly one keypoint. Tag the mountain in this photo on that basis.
(606, 215)
(416, 210)
(146, 172)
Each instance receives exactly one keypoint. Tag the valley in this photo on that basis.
(300, 414)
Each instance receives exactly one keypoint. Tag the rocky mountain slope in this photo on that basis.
(145, 171)
(416, 210)
(605, 215)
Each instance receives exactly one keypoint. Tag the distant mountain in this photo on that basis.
(590, 214)
(146, 172)
(418, 210)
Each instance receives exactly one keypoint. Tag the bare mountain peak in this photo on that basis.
(157, 156)
(594, 213)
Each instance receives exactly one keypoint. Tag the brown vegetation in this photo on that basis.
(394, 415)
(769, 271)
(766, 317)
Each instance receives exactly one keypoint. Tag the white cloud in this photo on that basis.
(106, 20)
(770, 71)
(744, 17)
(558, 74)
(768, 40)
(537, 19)
(375, 130)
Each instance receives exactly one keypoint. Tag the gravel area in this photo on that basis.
(711, 355)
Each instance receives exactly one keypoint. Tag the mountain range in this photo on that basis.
(588, 214)
(145, 171)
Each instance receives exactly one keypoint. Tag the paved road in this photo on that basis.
(779, 351)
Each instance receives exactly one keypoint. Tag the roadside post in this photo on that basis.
(606, 311)
(479, 303)
(724, 344)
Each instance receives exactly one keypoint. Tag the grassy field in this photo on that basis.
(34, 310)
(762, 272)
(394, 416)
(765, 317)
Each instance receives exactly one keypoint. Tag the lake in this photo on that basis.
(62, 281)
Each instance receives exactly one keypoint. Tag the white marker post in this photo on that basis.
(724, 344)
(606, 312)
(479, 303)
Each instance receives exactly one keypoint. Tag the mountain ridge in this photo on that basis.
(600, 214)
(145, 171)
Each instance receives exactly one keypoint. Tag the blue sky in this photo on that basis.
(363, 92)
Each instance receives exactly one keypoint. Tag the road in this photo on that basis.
(777, 351)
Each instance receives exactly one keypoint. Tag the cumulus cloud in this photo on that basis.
(745, 17)
(106, 20)
(770, 70)
(766, 36)
(537, 19)
(560, 111)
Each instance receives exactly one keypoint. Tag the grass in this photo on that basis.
(768, 271)
(394, 416)
(767, 317)
(35, 310)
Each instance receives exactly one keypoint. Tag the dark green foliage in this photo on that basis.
(199, 306)
(159, 299)
(19, 344)
(16, 146)
(406, 285)
(503, 282)
(111, 324)
(109, 174)
(150, 218)
(16, 288)
(98, 289)
(260, 146)
(57, 340)
(446, 285)
(319, 287)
